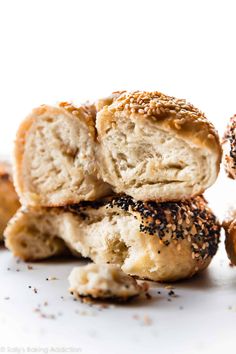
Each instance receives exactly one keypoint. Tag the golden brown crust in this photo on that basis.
(5, 170)
(229, 146)
(9, 202)
(230, 240)
(18, 155)
(173, 113)
(107, 101)
(229, 226)
(87, 113)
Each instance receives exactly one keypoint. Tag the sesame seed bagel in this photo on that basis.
(9, 202)
(157, 241)
(54, 157)
(156, 147)
(229, 147)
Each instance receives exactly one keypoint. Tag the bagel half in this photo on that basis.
(157, 241)
(54, 158)
(156, 147)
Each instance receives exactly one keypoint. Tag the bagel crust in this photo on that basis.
(54, 156)
(156, 241)
(229, 225)
(229, 147)
(9, 202)
(156, 147)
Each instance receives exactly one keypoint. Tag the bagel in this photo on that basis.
(157, 241)
(156, 147)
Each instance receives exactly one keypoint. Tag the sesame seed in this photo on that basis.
(158, 105)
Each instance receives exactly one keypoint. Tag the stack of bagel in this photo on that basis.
(120, 182)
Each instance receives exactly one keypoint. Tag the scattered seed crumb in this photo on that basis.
(17, 270)
(43, 314)
(51, 278)
(159, 292)
(29, 267)
(147, 321)
(35, 291)
(45, 303)
(7, 298)
(52, 317)
(83, 313)
(171, 293)
(169, 287)
(104, 306)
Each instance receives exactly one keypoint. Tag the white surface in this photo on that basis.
(78, 50)
(206, 323)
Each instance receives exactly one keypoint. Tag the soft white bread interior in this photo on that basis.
(104, 281)
(229, 147)
(33, 235)
(55, 157)
(9, 202)
(156, 147)
(156, 241)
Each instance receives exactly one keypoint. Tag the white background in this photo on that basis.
(54, 50)
(78, 50)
